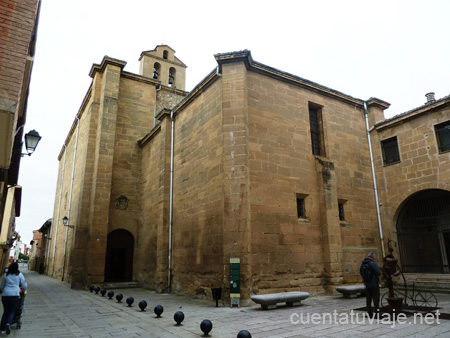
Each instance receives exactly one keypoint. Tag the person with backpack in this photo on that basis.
(370, 272)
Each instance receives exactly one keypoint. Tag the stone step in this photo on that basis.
(442, 286)
(429, 282)
(121, 285)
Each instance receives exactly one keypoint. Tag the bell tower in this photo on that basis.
(162, 64)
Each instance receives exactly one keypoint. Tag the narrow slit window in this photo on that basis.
(316, 127)
(341, 212)
(301, 208)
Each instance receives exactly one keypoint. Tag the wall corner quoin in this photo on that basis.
(375, 110)
(100, 68)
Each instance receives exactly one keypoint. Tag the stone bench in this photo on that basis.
(269, 301)
(352, 290)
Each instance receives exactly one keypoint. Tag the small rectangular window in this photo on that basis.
(341, 212)
(316, 127)
(390, 150)
(443, 136)
(301, 208)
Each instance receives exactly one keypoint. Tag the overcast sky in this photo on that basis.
(396, 51)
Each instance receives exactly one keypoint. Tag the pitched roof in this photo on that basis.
(246, 57)
(416, 111)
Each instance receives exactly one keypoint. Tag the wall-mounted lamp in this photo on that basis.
(66, 222)
(10, 240)
(32, 139)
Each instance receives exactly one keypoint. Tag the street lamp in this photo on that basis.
(66, 222)
(32, 139)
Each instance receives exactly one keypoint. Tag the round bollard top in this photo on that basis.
(110, 294)
(206, 326)
(119, 297)
(178, 317)
(142, 305)
(130, 300)
(158, 310)
(244, 334)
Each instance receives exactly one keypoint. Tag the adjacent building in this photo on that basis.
(39, 247)
(412, 157)
(254, 165)
(18, 28)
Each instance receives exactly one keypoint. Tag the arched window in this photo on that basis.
(165, 54)
(172, 76)
(156, 70)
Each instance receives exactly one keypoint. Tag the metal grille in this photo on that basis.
(390, 150)
(423, 230)
(443, 136)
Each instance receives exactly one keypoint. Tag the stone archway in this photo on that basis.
(423, 231)
(119, 256)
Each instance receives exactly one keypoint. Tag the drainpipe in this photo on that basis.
(217, 72)
(155, 112)
(55, 236)
(169, 277)
(380, 228)
(70, 195)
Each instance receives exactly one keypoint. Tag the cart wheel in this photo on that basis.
(426, 299)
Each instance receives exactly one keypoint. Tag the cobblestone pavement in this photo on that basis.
(53, 309)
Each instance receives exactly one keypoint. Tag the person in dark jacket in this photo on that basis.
(372, 283)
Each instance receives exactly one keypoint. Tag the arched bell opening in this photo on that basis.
(172, 74)
(156, 70)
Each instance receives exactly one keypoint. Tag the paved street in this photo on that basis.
(52, 309)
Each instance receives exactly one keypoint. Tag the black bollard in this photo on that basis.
(158, 310)
(119, 297)
(96, 289)
(103, 292)
(91, 288)
(244, 334)
(110, 294)
(216, 294)
(206, 327)
(179, 317)
(130, 301)
(142, 305)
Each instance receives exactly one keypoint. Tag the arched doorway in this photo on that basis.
(423, 230)
(119, 256)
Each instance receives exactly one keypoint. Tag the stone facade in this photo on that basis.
(164, 187)
(100, 165)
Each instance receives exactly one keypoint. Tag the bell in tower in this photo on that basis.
(162, 64)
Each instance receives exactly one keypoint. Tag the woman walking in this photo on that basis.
(10, 289)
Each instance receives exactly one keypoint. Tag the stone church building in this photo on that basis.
(163, 187)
